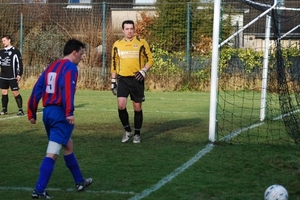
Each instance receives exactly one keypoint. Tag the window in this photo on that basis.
(145, 1)
(37, 1)
(80, 4)
(80, 1)
(143, 4)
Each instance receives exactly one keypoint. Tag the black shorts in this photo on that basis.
(13, 84)
(131, 86)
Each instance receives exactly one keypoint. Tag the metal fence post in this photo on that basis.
(103, 42)
(188, 39)
(21, 28)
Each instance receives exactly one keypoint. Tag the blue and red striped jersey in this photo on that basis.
(56, 86)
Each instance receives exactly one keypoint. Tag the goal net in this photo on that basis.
(259, 73)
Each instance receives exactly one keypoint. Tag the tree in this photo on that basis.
(170, 27)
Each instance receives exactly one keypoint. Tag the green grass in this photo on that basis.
(175, 129)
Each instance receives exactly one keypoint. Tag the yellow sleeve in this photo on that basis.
(149, 58)
(114, 59)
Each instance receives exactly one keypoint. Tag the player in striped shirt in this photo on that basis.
(56, 86)
(11, 73)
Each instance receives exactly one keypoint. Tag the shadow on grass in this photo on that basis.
(167, 130)
(180, 129)
(82, 105)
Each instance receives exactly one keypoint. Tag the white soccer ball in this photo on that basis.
(276, 192)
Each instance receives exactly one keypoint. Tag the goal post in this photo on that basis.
(215, 62)
(214, 72)
(255, 84)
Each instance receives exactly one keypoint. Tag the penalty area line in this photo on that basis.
(13, 117)
(67, 190)
(185, 166)
(176, 172)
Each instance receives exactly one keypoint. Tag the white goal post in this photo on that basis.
(215, 62)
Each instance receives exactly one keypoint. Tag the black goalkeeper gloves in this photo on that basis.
(140, 75)
(114, 86)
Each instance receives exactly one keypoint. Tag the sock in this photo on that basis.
(4, 102)
(138, 121)
(46, 170)
(72, 164)
(19, 101)
(123, 115)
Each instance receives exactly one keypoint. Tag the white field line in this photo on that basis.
(287, 114)
(176, 172)
(111, 110)
(11, 117)
(67, 190)
(57, 189)
(237, 132)
(144, 193)
(186, 165)
(165, 179)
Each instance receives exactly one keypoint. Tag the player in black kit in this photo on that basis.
(11, 73)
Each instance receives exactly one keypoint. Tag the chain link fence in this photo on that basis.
(180, 36)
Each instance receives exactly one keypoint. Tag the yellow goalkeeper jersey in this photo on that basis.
(129, 57)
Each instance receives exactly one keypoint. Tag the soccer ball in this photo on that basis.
(276, 192)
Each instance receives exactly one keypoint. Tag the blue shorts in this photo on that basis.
(57, 127)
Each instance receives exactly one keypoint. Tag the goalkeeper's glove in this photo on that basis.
(140, 75)
(114, 86)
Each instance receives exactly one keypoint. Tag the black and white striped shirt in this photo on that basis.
(10, 63)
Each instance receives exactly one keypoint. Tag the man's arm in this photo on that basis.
(149, 57)
(19, 65)
(68, 93)
(140, 75)
(114, 61)
(34, 99)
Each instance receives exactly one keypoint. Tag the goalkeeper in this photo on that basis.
(131, 59)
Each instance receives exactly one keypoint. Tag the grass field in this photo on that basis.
(173, 161)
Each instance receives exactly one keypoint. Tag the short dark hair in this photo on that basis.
(72, 45)
(127, 22)
(7, 37)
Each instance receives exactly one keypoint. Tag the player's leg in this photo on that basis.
(122, 94)
(72, 163)
(46, 169)
(15, 90)
(137, 97)
(51, 117)
(138, 121)
(124, 118)
(4, 91)
(123, 114)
